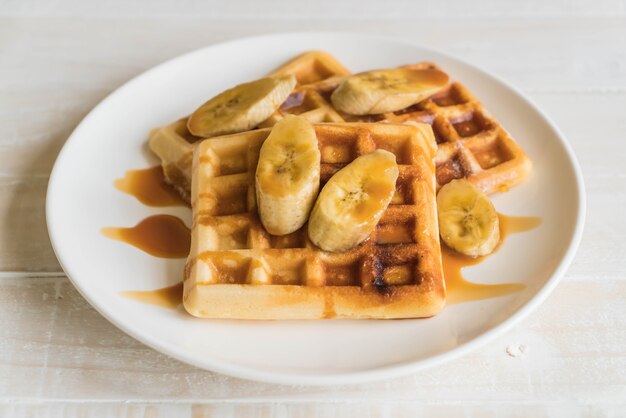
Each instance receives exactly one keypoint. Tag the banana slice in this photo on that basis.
(241, 108)
(468, 222)
(384, 91)
(287, 175)
(353, 201)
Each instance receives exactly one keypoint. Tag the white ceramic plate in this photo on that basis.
(111, 139)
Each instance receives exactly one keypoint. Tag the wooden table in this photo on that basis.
(59, 357)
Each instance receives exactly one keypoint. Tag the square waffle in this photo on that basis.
(317, 73)
(471, 144)
(235, 269)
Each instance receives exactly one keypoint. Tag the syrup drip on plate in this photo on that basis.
(163, 236)
(166, 297)
(167, 236)
(460, 290)
(149, 187)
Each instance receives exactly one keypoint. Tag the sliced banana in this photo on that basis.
(242, 107)
(468, 222)
(287, 175)
(353, 201)
(382, 91)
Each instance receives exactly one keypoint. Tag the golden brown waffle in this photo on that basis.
(174, 145)
(237, 270)
(471, 143)
(318, 73)
(312, 67)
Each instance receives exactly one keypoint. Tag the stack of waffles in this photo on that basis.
(236, 269)
(317, 74)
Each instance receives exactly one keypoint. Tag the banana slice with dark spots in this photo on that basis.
(382, 91)
(242, 107)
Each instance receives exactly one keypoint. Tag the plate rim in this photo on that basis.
(376, 373)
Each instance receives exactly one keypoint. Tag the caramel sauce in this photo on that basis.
(149, 187)
(378, 189)
(516, 224)
(370, 208)
(391, 234)
(450, 170)
(398, 275)
(428, 77)
(329, 308)
(163, 236)
(167, 236)
(460, 290)
(167, 297)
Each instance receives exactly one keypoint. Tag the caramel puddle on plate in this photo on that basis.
(167, 297)
(149, 187)
(163, 236)
(460, 290)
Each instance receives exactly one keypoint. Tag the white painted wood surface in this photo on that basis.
(58, 357)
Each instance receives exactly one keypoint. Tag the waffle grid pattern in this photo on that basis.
(316, 72)
(471, 143)
(230, 246)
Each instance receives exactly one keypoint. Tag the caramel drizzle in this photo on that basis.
(149, 187)
(164, 236)
(167, 236)
(459, 289)
(166, 297)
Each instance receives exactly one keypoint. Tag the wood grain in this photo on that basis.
(59, 357)
(307, 409)
(68, 352)
(321, 9)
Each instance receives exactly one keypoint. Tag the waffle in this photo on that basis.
(317, 74)
(174, 145)
(471, 144)
(313, 67)
(235, 269)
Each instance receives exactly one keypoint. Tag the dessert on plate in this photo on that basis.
(471, 143)
(237, 269)
(174, 143)
(318, 193)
